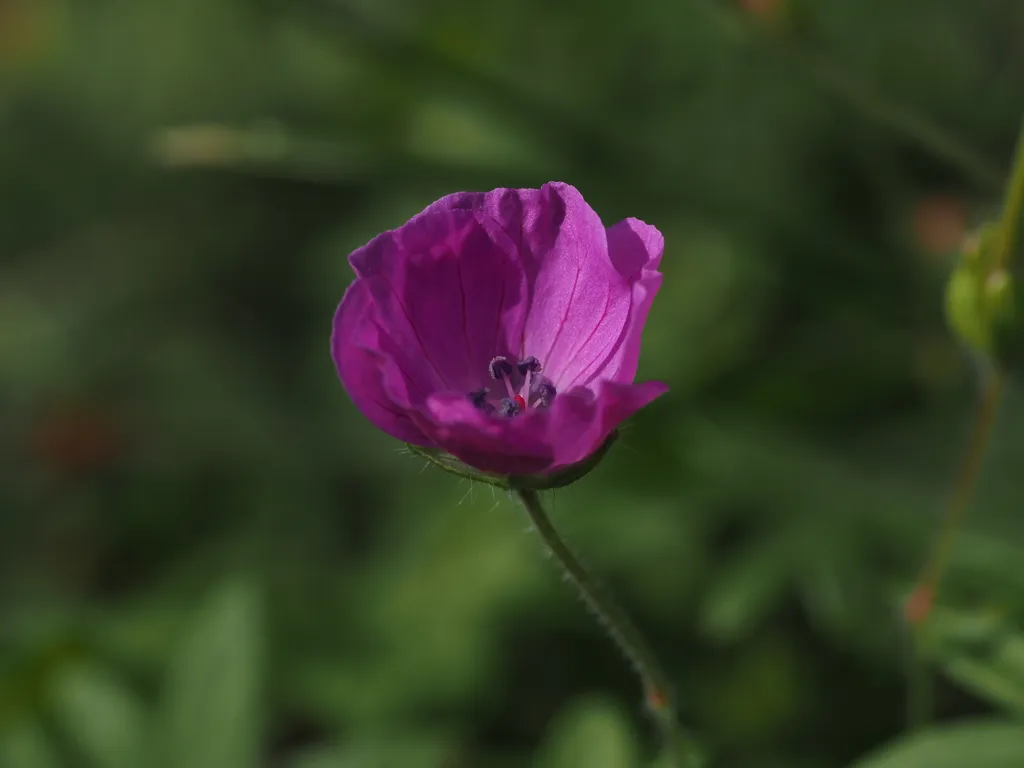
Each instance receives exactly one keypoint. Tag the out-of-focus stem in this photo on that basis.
(962, 491)
(922, 599)
(920, 604)
(1013, 207)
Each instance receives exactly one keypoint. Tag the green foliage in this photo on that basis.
(180, 185)
(396, 749)
(594, 733)
(984, 652)
(101, 717)
(984, 743)
(210, 715)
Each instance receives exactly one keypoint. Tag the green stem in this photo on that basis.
(1014, 206)
(657, 689)
(966, 480)
(920, 685)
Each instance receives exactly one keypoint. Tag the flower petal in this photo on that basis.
(539, 441)
(509, 272)
(635, 248)
(590, 289)
(449, 294)
(580, 301)
(581, 419)
(511, 211)
(505, 446)
(362, 370)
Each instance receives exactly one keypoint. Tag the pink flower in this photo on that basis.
(502, 327)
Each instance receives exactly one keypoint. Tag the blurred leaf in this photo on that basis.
(463, 133)
(429, 608)
(211, 715)
(991, 562)
(593, 733)
(104, 720)
(402, 750)
(976, 744)
(983, 652)
(264, 148)
(713, 274)
(140, 637)
(24, 744)
(750, 587)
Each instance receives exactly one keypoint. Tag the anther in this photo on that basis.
(508, 407)
(478, 398)
(543, 391)
(500, 368)
(529, 365)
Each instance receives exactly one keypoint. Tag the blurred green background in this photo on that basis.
(209, 559)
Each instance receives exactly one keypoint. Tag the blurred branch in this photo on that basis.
(259, 147)
(861, 95)
(272, 151)
(403, 53)
(582, 138)
(886, 113)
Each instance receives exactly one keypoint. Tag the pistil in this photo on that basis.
(523, 383)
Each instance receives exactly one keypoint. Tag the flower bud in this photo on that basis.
(980, 305)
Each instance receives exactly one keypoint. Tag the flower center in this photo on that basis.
(524, 387)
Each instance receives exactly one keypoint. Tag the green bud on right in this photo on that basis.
(980, 302)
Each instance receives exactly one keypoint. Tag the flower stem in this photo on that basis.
(657, 690)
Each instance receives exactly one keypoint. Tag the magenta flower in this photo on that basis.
(502, 327)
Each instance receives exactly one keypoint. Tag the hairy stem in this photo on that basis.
(657, 689)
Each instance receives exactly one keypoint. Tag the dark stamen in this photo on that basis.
(500, 368)
(478, 398)
(508, 407)
(544, 391)
(531, 364)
